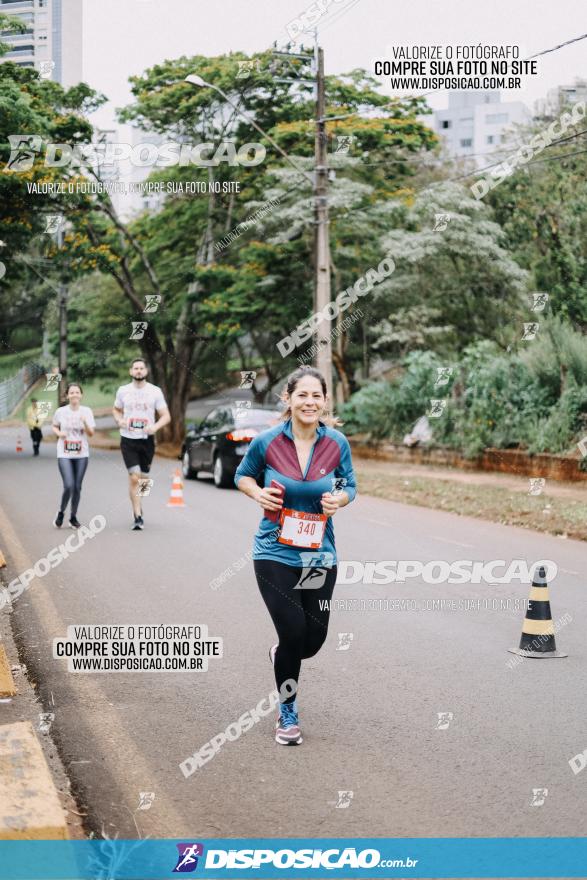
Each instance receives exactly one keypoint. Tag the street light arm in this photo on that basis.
(252, 122)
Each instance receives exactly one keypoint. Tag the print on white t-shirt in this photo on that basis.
(139, 406)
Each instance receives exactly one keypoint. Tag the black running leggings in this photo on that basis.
(300, 622)
(72, 472)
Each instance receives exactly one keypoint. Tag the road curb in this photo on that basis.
(29, 804)
(36, 802)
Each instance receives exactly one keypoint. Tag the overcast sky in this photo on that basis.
(123, 37)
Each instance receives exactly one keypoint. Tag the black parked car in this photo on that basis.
(218, 445)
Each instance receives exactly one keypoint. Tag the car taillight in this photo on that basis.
(242, 436)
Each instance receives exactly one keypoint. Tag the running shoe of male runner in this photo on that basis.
(140, 411)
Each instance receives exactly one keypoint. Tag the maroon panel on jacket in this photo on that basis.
(325, 458)
(281, 454)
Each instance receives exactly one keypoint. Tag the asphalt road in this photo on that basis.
(369, 714)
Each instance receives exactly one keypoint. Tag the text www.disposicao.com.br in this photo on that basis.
(141, 664)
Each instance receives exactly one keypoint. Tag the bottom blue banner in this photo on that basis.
(294, 857)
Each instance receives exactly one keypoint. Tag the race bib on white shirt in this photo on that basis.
(75, 443)
(139, 408)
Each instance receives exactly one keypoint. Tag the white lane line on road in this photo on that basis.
(381, 522)
(448, 541)
(378, 522)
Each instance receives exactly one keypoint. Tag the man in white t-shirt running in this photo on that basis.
(140, 410)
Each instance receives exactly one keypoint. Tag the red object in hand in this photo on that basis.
(274, 515)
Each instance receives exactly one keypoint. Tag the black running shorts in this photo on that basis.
(137, 453)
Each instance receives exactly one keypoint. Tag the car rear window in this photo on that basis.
(257, 417)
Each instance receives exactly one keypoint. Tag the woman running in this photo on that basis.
(72, 424)
(294, 553)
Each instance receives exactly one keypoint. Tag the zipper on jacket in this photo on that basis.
(310, 457)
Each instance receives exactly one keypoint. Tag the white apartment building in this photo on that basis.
(128, 198)
(53, 36)
(134, 203)
(560, 96)
(474, 123)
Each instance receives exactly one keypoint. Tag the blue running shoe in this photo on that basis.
(287, 731)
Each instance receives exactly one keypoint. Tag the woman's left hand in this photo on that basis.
(330, 503)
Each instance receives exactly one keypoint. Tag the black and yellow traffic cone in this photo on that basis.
(538, 629)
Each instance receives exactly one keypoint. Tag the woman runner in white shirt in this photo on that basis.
(72, 424)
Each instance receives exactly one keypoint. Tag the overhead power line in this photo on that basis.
(555, 48)
(529, 58)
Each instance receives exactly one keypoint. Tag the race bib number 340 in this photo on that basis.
(300, 529)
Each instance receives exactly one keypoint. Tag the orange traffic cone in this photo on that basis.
(18, 443)
(176, 497)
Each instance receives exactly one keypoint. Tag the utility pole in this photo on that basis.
(62, 304)
(322, 337)
(321, 234)
(62, 300)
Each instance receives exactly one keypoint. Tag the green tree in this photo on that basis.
(46, 112)
(541, 209)
(212, 298)
(454, 281)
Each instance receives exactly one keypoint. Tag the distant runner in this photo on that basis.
(294, 553)
(72, 424)
(34, 420)
(140, 410)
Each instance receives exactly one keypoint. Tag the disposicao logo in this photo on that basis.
(187, 860)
